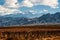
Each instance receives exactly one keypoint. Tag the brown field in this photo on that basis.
(37, 32)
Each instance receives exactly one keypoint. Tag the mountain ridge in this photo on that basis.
(18, 21)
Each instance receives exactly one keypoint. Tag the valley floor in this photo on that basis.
(37, 32)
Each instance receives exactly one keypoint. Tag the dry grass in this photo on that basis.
(30, 28)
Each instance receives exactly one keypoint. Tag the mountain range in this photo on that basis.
(19, 19)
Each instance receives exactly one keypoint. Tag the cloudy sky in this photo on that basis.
(24, 6)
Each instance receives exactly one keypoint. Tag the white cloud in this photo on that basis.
(10, 7)
(7, 11)
(31, 3)
(33, 11)
(45, 10)
(11, 3)
(40, 11)
(26, 3)
(50, 3)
